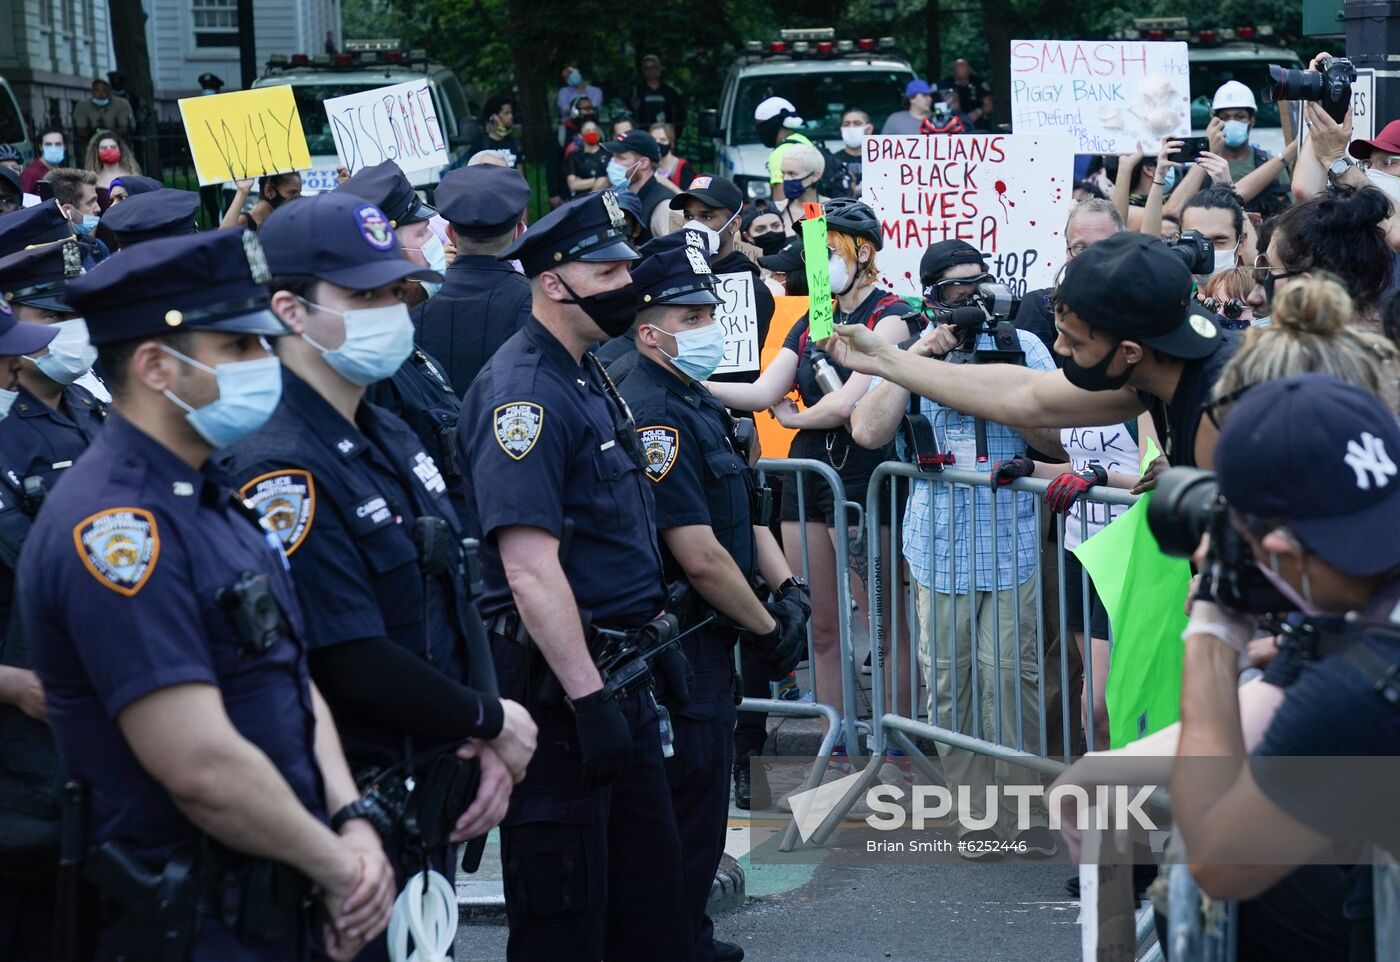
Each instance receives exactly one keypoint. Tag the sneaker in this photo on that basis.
(1038, 842)
(788, 690)
(982, 845)
(728, 952)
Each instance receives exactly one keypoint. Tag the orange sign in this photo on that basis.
(775, 438)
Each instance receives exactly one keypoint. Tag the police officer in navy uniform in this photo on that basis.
(419, 392)
(483, 300)
(53, 418)
(29, 789)
(167, 633)
(705, 495)
(363, 514)
(571, 567)
(147, 215)
(40, 224)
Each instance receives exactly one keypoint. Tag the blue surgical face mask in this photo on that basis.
(71, 353)
(208, 93)
(377, 342)
(88, 224)
(1236, 133)
(575, 78)
(249, 391)
(618, 175)
(698, 351)
(54, 155)
(7, 401)
(793, 189)
(101, 101)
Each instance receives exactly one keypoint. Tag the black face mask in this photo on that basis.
(665, 149)
(1096, 377)
(771, 242)
(613, 311)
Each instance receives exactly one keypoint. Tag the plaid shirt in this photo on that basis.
(948, 512)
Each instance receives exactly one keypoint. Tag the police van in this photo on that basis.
(821, 76)
(365, 65)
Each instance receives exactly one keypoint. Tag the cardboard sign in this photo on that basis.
(1008, 196)
(397, 123)
(245, 134)
(1109, 95)
(819, 310)
(738, 315)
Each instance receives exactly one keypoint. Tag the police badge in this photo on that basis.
(119, 547)
(660, 444)
(698, 264)
(286, 504)
(518, 427)
(614, 210)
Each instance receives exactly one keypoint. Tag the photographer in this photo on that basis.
(1327, 162)
(1216, 214)
(1313, 535)
(935, 528)
(1131, 339)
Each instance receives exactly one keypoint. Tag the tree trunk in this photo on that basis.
(134, 59)
(933, 40)
(996, 28)
(536, 53)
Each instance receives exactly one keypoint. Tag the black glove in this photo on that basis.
(604, 738)
(783, 647)
(1004, 472)
(800, 596)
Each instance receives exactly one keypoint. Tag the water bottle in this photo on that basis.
(827, 378)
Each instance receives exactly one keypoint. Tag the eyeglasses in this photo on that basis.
(1390, 165)
(1215, 409)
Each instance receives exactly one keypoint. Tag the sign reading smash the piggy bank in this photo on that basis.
(1110, 95)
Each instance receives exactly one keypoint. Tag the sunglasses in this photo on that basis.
(1215, 409)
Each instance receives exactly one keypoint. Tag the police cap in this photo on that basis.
(673, 270)
(135, 184)
(40, 224)
(341, 238)
(144, 217)
(214, 281)
(37, 276)
(482, 201)
(590, 229)
(385, 186)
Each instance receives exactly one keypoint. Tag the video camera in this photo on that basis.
(1329, 86)
(1195, 250)
(1186, 505)
(987, 311)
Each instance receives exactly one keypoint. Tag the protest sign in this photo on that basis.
(737, 316)
(1110, 95)
(397, 123)
(820, 316)
(245, 134)
(1007, 196)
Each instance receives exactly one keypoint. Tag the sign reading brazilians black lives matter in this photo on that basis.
(1006, 195)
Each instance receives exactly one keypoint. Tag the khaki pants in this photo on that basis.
(945, 626)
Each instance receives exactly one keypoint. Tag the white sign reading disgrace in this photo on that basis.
(1006, 195)
(397, 123)
(738, 317)
(1110, 95)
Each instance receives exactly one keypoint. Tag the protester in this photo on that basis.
(587, 167)
(778, 124)
(76, 193)
(51, 151)
(1233, 112)
(274, 190)
(102, 111)
(582, 112)
(855, 126)
(1088, 223)
(129, 186)
(632, 165)
(802, 169)
(498, 118)
(1338, 234)
(673, 168)
(1216, 214)
(1231, 295)
(655, 101)
(574, 87)
(758, 223)
(109, 157)
(10, 159)
(621, 124)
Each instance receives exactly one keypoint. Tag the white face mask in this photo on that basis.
(840, 274)
(1224, 260)
(852, 137)
(1389, 185)
(70, 355)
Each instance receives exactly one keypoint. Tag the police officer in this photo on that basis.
(362, 512)
(418, 392)
(146, 215)
(170, 642)
(54, 419)
(40, 224)
(572, 572)
(704, 495)
(29, 796)
(483, 300)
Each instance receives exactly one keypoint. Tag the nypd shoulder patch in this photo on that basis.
(661, 444)
(119, 547)
(285, 502)
(518, 427)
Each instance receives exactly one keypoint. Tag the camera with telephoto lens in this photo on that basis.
(1195, 250)
(1186, 505)
(987, 311)
(1329, 85)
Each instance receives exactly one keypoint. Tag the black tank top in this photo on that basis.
(1177, 422)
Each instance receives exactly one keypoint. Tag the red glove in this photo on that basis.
(1007, 471)
(1064, 490)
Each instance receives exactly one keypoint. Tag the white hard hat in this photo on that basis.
(1231, 94)
(775, 106)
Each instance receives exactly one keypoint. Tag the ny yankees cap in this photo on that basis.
(1320, 455)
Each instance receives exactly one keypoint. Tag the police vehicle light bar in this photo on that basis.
(811, 33)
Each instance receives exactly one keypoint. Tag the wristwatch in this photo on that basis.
(359, 808)
(793, 582)
(1339, 167)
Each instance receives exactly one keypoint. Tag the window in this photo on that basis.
(820, 99)
(215, 23)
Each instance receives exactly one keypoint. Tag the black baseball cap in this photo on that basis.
(1320, 455)
(712, 192)
(341, 238)
(637, 141)
(945, 254)
(1133, 286)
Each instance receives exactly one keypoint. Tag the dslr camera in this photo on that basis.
(987, 311)
(1187, 504)
(1330, 85)
(1195, 250)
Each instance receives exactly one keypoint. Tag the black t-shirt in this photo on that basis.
(1178, 422)
(508, 148)
(583, 164)
(807, 353)
(1034, 316)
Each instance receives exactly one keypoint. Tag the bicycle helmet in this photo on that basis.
(849, 216)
